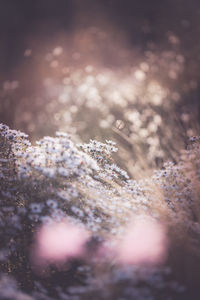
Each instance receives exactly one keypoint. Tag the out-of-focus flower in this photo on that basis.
(58, 242)
(144, 242)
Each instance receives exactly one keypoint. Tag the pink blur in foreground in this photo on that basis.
(144, 242)
(58, 242)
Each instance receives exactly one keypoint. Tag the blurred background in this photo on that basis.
(104, 69)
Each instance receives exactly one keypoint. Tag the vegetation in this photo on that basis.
(56, 181)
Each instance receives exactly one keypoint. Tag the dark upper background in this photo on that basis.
(141, 20)
(39, 24)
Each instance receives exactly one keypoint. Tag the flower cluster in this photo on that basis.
(69, 206)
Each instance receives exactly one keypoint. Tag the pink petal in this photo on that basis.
(145, 242)
(58, 242)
